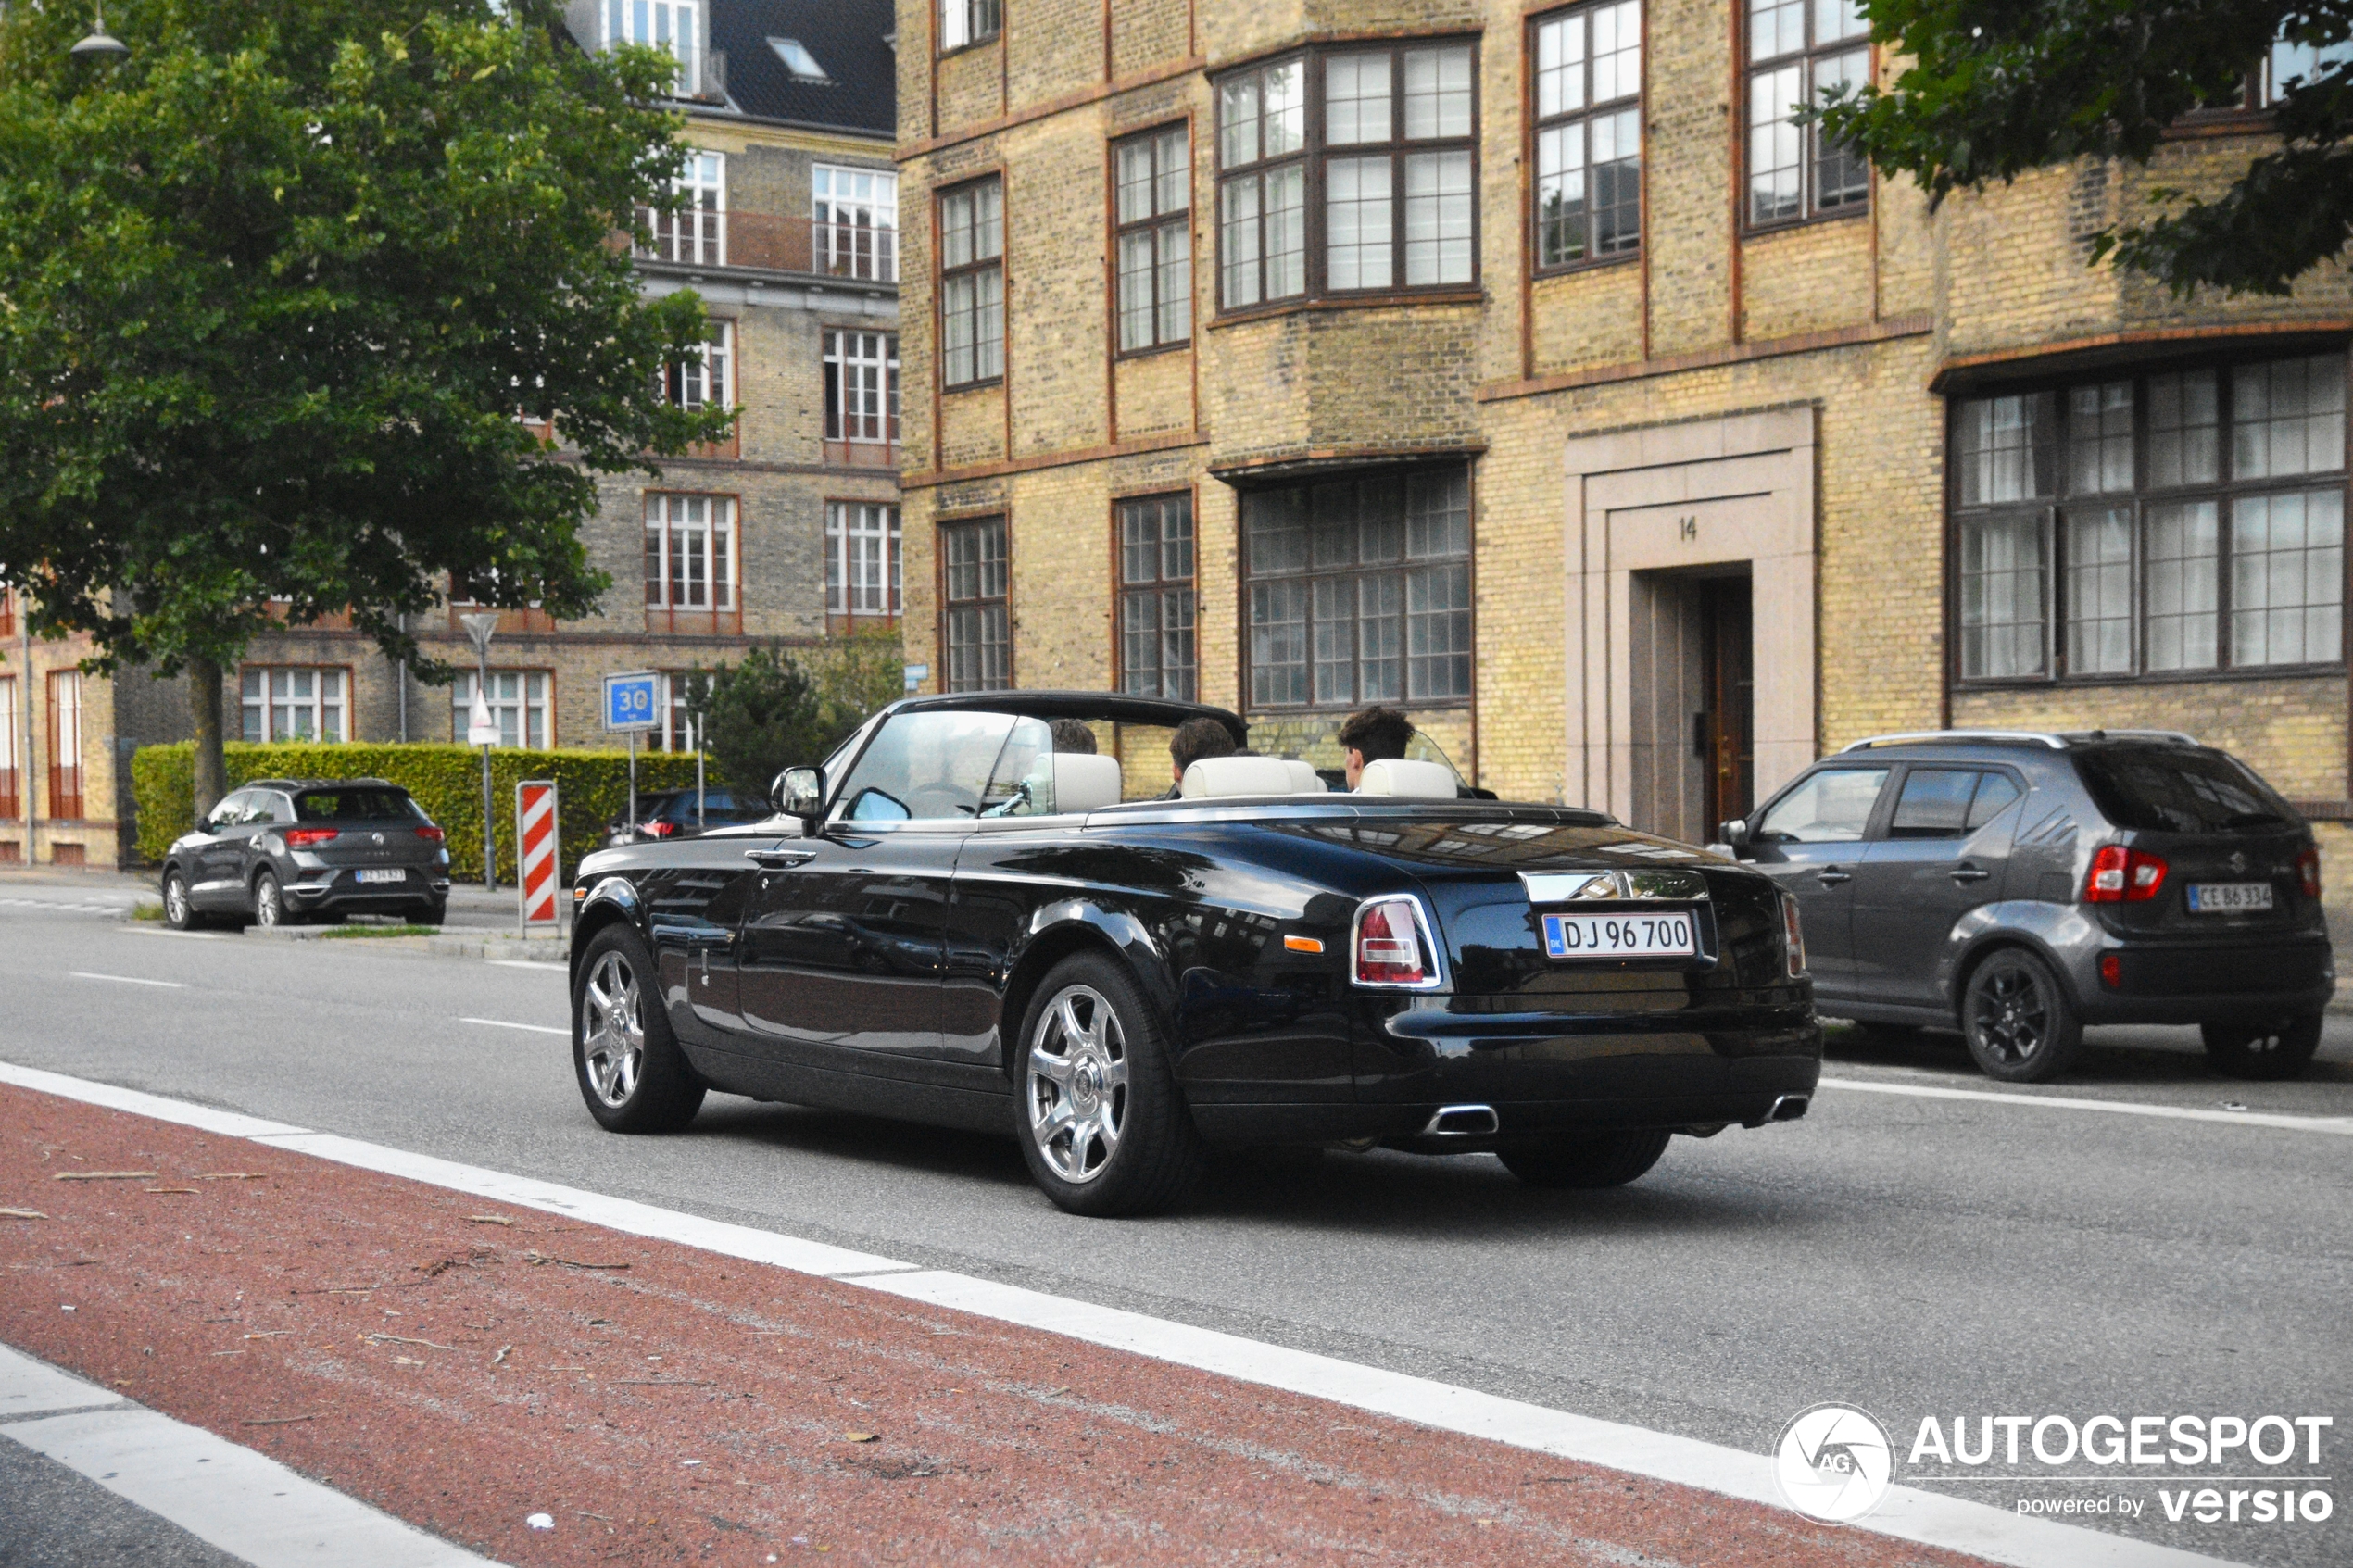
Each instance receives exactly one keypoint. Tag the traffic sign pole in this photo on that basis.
(633, 704)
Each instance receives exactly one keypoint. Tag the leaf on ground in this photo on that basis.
(22, 1214)
(538, 1258)
(104, 1176)
(488, 1220)
(860, 1438)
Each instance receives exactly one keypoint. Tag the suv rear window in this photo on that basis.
(2180, 792)
(356, 806)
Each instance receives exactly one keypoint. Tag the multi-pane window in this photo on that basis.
(2289, 66)
(2154, 524)
(674, 26)
(856, 216)
(861, 563)
(518, 702)
(862, 386)
(979, 645)
(707, 380)
(690, 553)
(972, 284)
(969, 21)
(1154, 175)
(1349, 170)
(694, 231)
(1589, 134)
(65, 744)
(11, 802)
(1359, 590)
(296, 704)
(1798, 50)
(1156, 595)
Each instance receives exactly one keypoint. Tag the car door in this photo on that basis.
(1942, 854)
(1810, 839)
(840, 958)
(218, 882)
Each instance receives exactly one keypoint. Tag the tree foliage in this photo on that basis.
(774, 710)
(1992, 90)
(273, 290)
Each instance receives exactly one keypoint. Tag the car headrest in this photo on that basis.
(1411, 780)
(1083, 783)
(1304, 779)
(1237, 775)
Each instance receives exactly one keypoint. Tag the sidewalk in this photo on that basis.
(463, 1364)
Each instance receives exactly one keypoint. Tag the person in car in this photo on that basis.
(1372, 734)
(1072, 737)
(1194, 739)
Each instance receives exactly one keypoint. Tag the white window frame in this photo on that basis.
(862, 386)
(519, 701)
(855, 215)
(677, 524)
(864, 556)
(695, 234)
(267, 691)
(965, 22)
(11, 738)
(708, 380)
(661, 19)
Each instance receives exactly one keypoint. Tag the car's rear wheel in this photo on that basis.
(269, 902)
(2019, 1021)
(1101, 1120)
(433, 914)
(631, 1071)
(1591, 1159)
(2279, 1050)
(180, 910)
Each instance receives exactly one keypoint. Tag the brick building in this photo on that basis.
(1526, 365)
(789, 531)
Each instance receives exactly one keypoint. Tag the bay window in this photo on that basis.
(2159, 523)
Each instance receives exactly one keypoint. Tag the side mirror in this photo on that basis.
(1734, 833)
(798, 792)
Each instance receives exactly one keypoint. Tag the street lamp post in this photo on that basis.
(483, 730)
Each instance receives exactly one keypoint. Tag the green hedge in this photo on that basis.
(592, 788)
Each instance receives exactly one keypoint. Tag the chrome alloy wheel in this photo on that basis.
(613, 1043)
(269, 903)
(175, 899)
(2013, 1017)
(1077, 1084)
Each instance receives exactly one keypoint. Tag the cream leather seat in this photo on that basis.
(1213, 776)
(1304, 779)
(1407, 780)
(1085, 784)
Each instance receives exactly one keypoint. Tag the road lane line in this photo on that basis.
(126, 979)
(529, 963)
(1910, 1513)
(226, 1495)
(2342, 1126)
(502, 1024)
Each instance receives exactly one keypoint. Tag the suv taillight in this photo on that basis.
(430, 833)
(2308, 872)
(2123, 876)
(657, 829)
(1392, 945)
(303, 838)
(1792, 937)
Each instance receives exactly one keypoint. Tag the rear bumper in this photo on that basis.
(2208, 983)
(346, 896)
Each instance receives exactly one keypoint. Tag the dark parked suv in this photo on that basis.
(2026, 885)
(674, 813)
(283, 852)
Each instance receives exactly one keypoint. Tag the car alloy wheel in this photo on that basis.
(2019, 1021)
(2015, 1023)
(1077, 1084)
(177, 911)
(269, 902)
(613, 1030)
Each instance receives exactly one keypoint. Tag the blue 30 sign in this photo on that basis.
(633, 701)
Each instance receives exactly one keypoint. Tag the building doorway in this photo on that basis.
(1693, 701)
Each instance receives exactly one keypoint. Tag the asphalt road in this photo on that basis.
(1916, 1256)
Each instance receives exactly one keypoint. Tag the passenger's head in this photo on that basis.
(1073, 737)
(1197, 738)
(1372, 734)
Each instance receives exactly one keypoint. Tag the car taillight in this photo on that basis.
(2308, 872)
(657, 830)
(303, 838)
(430, 833)
(1792, 937)
(1392, 945)
(2123, 876)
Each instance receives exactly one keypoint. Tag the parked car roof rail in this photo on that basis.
(318, 784)
(1927, 737)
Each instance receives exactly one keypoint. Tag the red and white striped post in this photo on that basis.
(536, 863)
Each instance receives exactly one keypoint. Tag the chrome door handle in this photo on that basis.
(779, 859)
(1969, 873)
(1831, 876)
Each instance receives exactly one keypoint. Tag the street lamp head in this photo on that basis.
(479, 628)
(101, 41)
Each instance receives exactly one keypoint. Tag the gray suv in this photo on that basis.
(283, 852)
(2025, 884)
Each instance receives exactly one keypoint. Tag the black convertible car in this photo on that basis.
(952, 922)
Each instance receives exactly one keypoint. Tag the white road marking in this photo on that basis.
(502, 1024)
(126, 979)
(183, 935)
(244, 1503)
(529, 963)
(76, 909)
(2342, 1126)
(1908, 1513)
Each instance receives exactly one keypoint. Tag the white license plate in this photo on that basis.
(387, 874)
(2229, 898)
(1667, 934)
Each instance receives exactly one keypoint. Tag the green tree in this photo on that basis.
(774, 711)
(273, 291)
(1992, 90)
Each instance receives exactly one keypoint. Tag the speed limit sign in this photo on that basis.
(633, 701)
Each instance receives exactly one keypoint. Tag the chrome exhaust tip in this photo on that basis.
(1462, 1121)
(1789, 1108)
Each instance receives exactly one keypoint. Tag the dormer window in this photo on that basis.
(673, 25)
(799, 60)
